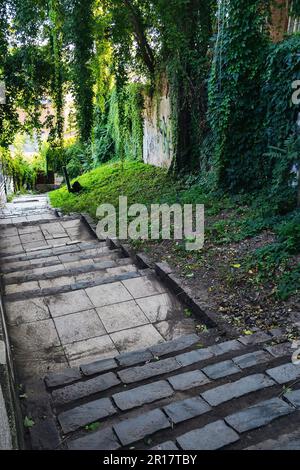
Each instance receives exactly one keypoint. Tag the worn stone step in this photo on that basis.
(123, 360)
(129, 364)
(21, 220)
(80, 270)
(65, 284)
(168, 390)
(34, 219)
(64, 249)
(68, 260)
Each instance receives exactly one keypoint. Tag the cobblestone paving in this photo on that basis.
(142, 401)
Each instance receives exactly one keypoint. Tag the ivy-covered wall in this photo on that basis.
(234, 93)
(125, 121)
(158, 142)
(139, 123)
(281, 69)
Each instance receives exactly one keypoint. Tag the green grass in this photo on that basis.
(228, 218)
(143, 184)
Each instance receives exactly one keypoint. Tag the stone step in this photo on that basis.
(33, 217)
(26, 238)
(176, 395)
(98, 271)
(72, 249)
(67, 259)
(33, 289)
(38, 218)
(71, 268)
(20, 251)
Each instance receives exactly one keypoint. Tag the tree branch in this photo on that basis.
(139, 33)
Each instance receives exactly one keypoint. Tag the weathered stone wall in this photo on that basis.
(158, 143)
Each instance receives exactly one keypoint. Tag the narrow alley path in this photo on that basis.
(99, 343)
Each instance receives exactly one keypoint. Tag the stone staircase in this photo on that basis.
(238, 394)
(70, 299)
(106, 358)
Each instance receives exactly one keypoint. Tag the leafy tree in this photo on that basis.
(79, 24)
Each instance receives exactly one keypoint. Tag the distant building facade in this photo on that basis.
(2, 187)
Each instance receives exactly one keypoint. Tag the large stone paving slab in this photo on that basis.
(23, 287)
(76, 391)
(285, 373)
(144, 287)
(79, 326)
(122, 316)
(211, 437)
(136, 338)
(26, 311)
(39, 335)
(108, 294)
(188, 380)
(135, 429)
(90, 350)
(70, 302)
(86, 414)
(143, 395)
(290, 441)
(105, 439)
(35, 364)
(160, 307)
(32, 237)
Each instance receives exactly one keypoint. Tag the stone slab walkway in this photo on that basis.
(69, 299)
(108, 360)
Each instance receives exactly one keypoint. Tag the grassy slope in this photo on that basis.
(248, 249)
(141, 183)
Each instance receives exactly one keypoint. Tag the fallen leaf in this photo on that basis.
(28, 422)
